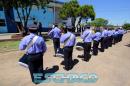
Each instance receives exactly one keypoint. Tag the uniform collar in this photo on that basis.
(32, 34)
(56, 28)
(68, 32)
(87, 30)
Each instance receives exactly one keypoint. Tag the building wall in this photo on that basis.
(3, 26)
(57, 18)
(46, 18)
(10, 21)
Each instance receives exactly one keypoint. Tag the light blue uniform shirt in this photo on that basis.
(104, 33)
(121, 31)
(110, 33)
(113, 31)
(116, 33)
(70, 42)
(55, 33)
(97, 36)
(87, 36)
(38, 47)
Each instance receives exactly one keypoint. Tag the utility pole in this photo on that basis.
(54, 11)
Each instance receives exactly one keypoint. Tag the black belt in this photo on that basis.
(69, 46)
(36, 53)
(56, 38)
(87, 42)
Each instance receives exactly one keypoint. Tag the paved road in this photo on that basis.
(112, 67)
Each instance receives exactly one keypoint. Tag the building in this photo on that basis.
(47, 17)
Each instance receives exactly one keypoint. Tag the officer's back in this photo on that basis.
(35, 48)
(55, 32)
(87, 35)
(68, 39)
(97, 35)
(38, 47)
(105, 33)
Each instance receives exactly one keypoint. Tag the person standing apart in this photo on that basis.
(87, 39)
(68, 39)
(55, 35)
(40, 28)
(34, 52)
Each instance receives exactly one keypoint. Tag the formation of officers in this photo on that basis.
(105, 37)
(91, 40)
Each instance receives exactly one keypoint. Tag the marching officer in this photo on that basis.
(34, 52)
(69, 40)
(87, 39)
(104, 36)
(111, 37)
(103, 39)
(116, 34)
(109, 40)
(121, 32)
(96, 39)
(55, 34)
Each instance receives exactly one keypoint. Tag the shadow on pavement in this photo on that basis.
(74, 62)
(128, 45)
(51, 70)
(47, 73)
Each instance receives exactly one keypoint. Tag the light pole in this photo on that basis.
(54, 10)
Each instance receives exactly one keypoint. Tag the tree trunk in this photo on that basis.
(7, 11)
(73, 19)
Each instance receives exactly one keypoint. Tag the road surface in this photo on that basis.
(112, 67)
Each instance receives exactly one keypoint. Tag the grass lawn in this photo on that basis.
(8, 46)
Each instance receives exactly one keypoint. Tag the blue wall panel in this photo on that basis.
(9, 18)
(2, 15)
(46, 18)
(3, 29)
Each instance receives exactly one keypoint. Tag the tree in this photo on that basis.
(86, 12)
(111, 26)
(69, 11)
(98, 22)
(73, 10)
(126, 26)
(23, 8)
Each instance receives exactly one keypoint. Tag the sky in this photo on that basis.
(117, 12)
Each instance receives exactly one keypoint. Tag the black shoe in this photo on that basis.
(70, 67)
(85, 60)
(67, 69)
(95, 54)
(54, 55)
(62, 63)
(80, 56)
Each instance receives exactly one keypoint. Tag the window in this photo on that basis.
(2, 22)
